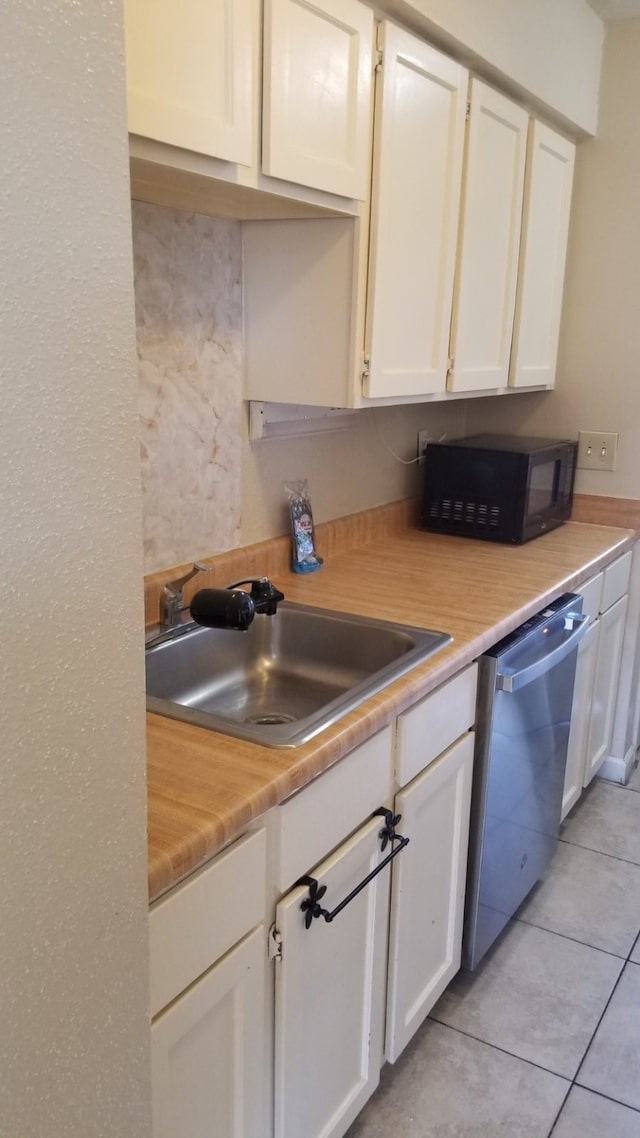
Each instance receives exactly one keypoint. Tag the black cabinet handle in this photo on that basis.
(311, 906)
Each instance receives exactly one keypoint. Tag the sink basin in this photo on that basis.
(285, 679)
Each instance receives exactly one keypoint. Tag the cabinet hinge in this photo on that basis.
(467, 115)
(450, 363)
(365, 367)
(274, 944)
(378, 60)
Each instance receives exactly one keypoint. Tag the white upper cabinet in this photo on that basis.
(250, 108)
(414, 298)
(545, 229)
(418, 149)
(317, 94)
(485, 289)
(191, 74)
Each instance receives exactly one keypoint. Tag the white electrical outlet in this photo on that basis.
(597, 450)
(423, 438)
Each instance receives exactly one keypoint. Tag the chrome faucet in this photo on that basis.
(229, 607)
(172, 596)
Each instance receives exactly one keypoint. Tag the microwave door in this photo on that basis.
(543, 488)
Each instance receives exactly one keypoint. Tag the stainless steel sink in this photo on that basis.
(287, 677)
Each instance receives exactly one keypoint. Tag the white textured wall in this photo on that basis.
(346, 470)
(73, 955)
(599, 361)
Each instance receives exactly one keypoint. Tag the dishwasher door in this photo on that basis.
(525, 695)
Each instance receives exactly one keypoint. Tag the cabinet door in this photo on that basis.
(485, 288)
(208, 1054)
(417, 172)
(605, 686)
(330, 986)
(192, 70)
(316, 119)
(545, 229)
(574, 779)
(427, 900)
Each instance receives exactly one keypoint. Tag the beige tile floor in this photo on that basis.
(543, 1040)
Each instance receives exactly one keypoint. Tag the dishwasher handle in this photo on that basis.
(576, 624)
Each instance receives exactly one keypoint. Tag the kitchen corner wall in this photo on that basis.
(74, 946)
(599, 360)
(206, 488)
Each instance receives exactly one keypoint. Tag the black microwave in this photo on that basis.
(498, 487)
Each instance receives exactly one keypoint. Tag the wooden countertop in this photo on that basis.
(204, 789)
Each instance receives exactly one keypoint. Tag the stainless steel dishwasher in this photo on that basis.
(525, 691)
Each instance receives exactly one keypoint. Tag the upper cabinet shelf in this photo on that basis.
(255, 117)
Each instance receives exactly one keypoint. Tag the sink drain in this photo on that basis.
(270, 719)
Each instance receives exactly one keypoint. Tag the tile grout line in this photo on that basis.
(574, 1082)
(613, 992)
(571, 1081)
(575, 940)
(615, 1101)
(502, 1050)
(591, 849)
(625, 962)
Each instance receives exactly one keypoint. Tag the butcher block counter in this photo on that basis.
(205, 789)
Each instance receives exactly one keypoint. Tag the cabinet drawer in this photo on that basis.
(425, 731)
(591, 592)
(616, 581)
(320, 816)
(199, 921)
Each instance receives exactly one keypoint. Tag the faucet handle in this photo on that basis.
(171, 604)
(175, 587)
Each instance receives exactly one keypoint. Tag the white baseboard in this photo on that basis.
(616, 769)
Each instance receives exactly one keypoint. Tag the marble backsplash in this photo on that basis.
(189, 331)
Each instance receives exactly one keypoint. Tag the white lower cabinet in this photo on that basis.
(258, 1034)
(605, 600)
(580, 718)
(338, 981)
(207, 1052)
(208, 966)
(330, 992)
(427, 901)
(605, 686)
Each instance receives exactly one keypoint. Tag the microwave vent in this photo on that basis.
(474, 515)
